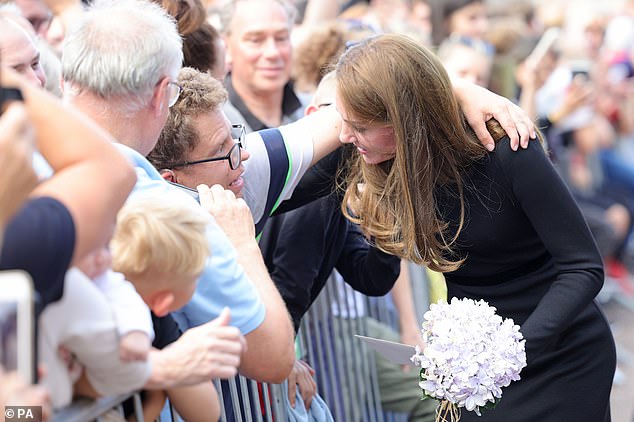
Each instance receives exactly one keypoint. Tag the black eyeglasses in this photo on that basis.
(234, 156)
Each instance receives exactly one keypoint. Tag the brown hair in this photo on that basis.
(441, 12)
(316, 54)
(189, 14)
(390, 79)
(199, 48)
(200, 93)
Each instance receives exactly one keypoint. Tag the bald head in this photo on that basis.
(18, 49)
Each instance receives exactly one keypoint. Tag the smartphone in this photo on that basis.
(191, 192)
(9, 94)
(17, 324)
(580, 68)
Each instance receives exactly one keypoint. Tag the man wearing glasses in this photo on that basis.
(224, 146)
(199, 145)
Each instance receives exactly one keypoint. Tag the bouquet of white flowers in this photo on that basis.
(470, 354)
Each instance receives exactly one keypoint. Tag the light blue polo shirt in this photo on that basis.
(223, 281)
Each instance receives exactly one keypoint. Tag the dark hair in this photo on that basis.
(199, 49)
(441, 10)
(449, 7)
(189, 14)
(316, 55)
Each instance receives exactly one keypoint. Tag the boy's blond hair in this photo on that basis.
(160, 235)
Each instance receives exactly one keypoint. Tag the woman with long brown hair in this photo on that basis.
(501, 226)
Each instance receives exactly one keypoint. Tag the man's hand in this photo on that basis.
(14, 391)
(232, 214)
(578, 93)
(302, 376)
(211, 350)
(480, 105)
(17, 140)
(411, 336)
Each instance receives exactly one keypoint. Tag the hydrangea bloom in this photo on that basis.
(470, 354)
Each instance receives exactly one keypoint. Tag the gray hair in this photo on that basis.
(10, 8)
(228, 8)
(122, 48)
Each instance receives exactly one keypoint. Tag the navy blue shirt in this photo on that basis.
(40, 239)
(303, 246)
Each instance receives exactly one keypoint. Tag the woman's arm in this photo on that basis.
(480, 105)
(556, 218)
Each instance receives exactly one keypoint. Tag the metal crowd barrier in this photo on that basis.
(345, 370)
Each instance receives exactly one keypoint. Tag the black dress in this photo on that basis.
(531, 255)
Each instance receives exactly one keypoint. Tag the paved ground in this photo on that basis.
(620, 313)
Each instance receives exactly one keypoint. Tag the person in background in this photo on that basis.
(204, 50)
(463, 19)
(259, 55)
(19, 50)
(466, 61)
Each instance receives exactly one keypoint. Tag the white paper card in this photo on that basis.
(394, 352)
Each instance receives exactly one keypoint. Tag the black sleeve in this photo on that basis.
(301, 248)
(560, 225)
(40, 239)
(365, 268)
(294, 255)
(166, 331)
(319, 181)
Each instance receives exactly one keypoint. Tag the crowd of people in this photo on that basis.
(185, 176)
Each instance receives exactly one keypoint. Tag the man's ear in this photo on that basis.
(160, 302)
(169, 175)
(158, 100)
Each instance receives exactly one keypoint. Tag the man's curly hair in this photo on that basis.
(200, 93)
